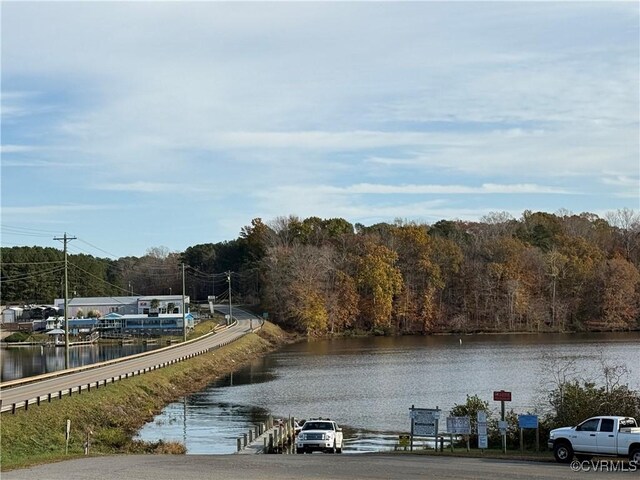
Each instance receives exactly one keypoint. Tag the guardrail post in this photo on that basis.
(13, 409)
(88, 387)
(38, 400)
(59, 394)
(239, 445)
(250, 436)
(26, 405)
(70, 391)
(49, 398)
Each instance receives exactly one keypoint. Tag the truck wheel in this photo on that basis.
(634, 456)
(300, 451)
(563, 452)
(339, 450)
(333, 449)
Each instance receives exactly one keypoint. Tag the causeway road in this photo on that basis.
(301, 467)
(43, 385)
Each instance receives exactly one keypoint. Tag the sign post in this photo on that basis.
(67, 434)
(502, 397)
(424, 423)
(459, 426)
(528, 421)
(483, 441)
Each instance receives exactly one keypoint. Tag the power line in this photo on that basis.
(27, 232)
(31, 263)
(32, 275)
(100, 249)
(101, 279)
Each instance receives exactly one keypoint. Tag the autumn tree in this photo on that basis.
(417, 306)
(379, 280)
(620, 296)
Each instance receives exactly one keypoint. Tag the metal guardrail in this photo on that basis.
(60, 373)
(103, 382)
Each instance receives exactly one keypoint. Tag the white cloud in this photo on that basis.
(335, 109)
(412, 189)
(150, 187)
(53, 209)
(4, 149)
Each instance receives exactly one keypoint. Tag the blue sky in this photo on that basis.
(134, 125)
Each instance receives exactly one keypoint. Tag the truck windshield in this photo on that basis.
(317, 426)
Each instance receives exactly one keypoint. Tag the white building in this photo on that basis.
(125, 305)
(12, 314)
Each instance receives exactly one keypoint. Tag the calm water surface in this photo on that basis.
(368, 384)
(29, 361)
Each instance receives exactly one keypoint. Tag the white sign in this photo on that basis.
(422, 412)
(459, 425)
(502, 425)
(483, 441)
(425, 421)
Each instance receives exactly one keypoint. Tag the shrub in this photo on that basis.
(470, 409)
(570, 400)
(17, 337)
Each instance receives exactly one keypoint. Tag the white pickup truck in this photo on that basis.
(597, 436)
(319, 434)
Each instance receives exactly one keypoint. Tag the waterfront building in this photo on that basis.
(147, 304)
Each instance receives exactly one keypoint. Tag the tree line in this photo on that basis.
(541, 272)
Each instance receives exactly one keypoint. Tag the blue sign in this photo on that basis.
(528, 421)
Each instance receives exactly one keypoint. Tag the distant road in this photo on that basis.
(64, 381)
(300, 467)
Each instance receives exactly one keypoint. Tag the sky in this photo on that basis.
(135, 125)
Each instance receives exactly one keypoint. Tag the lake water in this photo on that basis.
(368, 384)
(24, 362)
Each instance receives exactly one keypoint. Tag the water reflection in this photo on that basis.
(368, 384)
(25, 362)
(204, 425)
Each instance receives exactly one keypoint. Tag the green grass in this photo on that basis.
(115, 413)
(204, 327)
(528, 455)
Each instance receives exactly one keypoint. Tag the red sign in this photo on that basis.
(502, 396)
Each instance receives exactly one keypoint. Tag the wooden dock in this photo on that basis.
(272, 437)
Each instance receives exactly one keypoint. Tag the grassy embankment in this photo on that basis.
(114, 414)
(496, 453)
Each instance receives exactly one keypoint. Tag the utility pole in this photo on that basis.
(65, 240)
(230, 314)
(184, 315)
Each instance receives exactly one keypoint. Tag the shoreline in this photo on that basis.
(115, 414)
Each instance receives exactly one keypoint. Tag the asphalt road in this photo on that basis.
(300, 467)
(63, 381)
